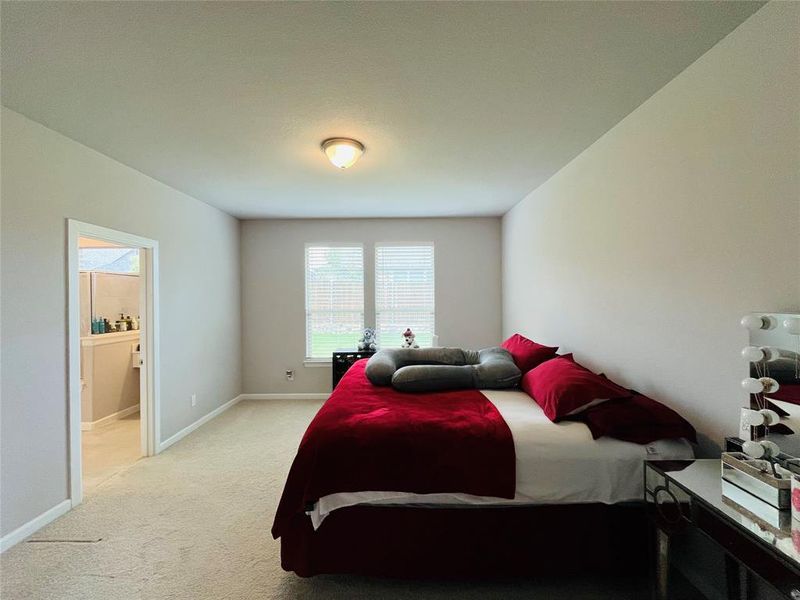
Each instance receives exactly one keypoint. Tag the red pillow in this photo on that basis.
(561, 387)
(637, 419)
(526, 353)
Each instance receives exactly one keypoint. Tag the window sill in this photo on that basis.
(317, 362)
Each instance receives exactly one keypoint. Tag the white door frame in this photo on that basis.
(150, 378)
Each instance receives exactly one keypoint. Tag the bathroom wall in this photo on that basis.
(114, 293)
(85, 287)
(110, 383)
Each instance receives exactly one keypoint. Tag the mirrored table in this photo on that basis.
(762, 549)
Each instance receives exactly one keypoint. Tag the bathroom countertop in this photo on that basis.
(109, 338)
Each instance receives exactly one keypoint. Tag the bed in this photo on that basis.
(476, 483)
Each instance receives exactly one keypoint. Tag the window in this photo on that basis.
(109, 260)
(404, 293)
(334, 298)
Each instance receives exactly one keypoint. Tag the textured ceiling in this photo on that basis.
(464, 107)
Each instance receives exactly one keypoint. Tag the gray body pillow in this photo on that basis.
(431, 369)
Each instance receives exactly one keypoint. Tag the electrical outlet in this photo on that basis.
(194, 399)
(289, 374)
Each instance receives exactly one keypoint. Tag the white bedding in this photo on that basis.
(557, 463)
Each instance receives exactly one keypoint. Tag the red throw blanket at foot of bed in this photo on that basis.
(370, 438)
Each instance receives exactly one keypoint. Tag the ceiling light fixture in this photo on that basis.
(342, 152)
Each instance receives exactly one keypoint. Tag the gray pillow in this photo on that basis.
(431, 369)
(784, 368)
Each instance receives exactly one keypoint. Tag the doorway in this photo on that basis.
(113, 346)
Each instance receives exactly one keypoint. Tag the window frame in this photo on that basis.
(312, 361)
(392, 244)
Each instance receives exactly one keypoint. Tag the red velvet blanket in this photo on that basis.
(370, 438)
(788, 392)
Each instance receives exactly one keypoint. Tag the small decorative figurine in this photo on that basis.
(409, 339)
(367, 341)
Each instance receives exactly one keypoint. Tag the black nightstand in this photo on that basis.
(761, 560)
(343, 360)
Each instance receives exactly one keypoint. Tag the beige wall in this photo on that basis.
(109, 381)
(114, 293)
(467, 254)
(85, 291)
(47, 178)
(642, 254)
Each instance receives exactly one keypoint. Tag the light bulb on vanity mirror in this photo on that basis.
(755, 322)
(770, 419)
(752, 354)
(765, 385)
(756, 418)
(761, 449)
(751, 385)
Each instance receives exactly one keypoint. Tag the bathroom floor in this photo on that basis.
(109, 450)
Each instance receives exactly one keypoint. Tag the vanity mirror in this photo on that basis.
(771, 422)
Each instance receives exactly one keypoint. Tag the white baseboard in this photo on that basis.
(34, 525)
(308, 396)
(200, 422)
(88, 426)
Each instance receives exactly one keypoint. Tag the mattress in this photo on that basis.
(557, 463)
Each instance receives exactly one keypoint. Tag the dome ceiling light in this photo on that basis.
(342, 152)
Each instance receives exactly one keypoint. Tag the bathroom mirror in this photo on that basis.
(773, 355)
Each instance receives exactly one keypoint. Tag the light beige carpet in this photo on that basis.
(194, 523)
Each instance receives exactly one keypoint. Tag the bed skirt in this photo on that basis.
(420, 542)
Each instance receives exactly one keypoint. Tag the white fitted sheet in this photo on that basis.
(557, 463)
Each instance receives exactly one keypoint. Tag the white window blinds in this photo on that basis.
(404, 293)
(334, 298)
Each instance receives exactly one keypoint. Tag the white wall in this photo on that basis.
(47, 178)
(642, 254)
(467, 254)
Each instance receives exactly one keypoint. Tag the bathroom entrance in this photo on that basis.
(112, 354)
